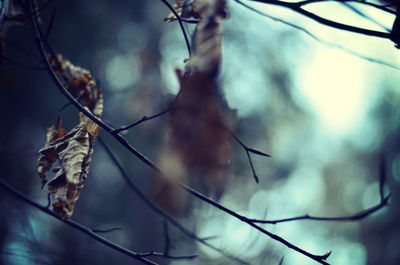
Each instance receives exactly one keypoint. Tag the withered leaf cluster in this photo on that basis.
(73, 149)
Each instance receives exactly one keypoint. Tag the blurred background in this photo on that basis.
(325, 115)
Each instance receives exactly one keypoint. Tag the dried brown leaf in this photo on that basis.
(72, 149)
(208, 36)
(199, 141)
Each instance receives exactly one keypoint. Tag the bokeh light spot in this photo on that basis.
(396, 167)
(371, 195)
(121, 72)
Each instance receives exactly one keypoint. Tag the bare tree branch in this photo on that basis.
(355, 217)
(145, 118)
(157, 210)
(75, 225)
(180, 24)
(313, 36)
(297, 7)
(249, 150)
(98, 231)
(363, 2)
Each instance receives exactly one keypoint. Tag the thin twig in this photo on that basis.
(48, 200)
(50, 26)
(363, 15)
(326, 43)
(355, 217)
(156, 209)
(75, 225)
(178, 17)
(100, 231)
(296, 7)
(145, 118)
(166, 236)
(159, 254)
(363, 2)
(249, 150)
(382, 176)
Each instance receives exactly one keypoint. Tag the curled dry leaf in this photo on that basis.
(72, 149)
(199, 139)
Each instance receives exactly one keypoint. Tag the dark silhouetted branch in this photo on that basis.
(355, 217)
(297, 7)
(75, 225)
(362, 2)
(50, 26)
(145, 118)
(382, 176)
(101, 231)
(249, 150)
(313, 36)
(157, 210)
(178, 17)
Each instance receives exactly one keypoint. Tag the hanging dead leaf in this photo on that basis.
(72, 149)
(79, 83)
(199, 138)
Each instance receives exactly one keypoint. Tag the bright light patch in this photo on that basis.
(247, 93)
(304, 188)
(233, 236)
(396, 168)
(121, 72)
(371, 195)
(347, 253)
(333, 83)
